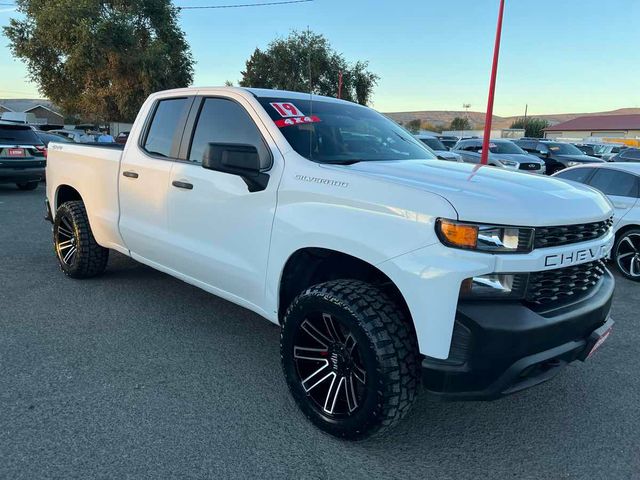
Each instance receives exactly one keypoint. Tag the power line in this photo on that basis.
(242, 5)
(202, 7)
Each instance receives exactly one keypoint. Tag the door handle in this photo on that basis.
(130, 174)
(185, 185)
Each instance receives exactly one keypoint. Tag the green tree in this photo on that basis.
(533, 127)
(101, 58)
(413, 125)
(460, 123)
(305, 61)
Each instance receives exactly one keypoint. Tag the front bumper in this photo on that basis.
(501, 348)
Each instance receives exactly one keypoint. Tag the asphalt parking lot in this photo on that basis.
(138, 375)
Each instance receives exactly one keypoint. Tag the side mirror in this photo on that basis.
(236, 159)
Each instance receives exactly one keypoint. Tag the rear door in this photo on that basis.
(220, 231)
(620, 187)
(144, 179)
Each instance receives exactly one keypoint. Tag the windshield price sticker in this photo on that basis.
(287, 122)
(286, 109)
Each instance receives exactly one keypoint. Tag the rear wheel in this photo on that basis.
(27, 185)
(79, 255)
(626, 254)
(350, 358)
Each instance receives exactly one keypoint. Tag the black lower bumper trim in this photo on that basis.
(511, 347)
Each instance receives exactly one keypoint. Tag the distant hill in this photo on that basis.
(441, 118)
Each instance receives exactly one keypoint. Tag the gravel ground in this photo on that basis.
(138, 375)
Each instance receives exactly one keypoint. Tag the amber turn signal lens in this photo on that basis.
(459, 235)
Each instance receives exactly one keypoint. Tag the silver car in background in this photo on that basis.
(502, 154)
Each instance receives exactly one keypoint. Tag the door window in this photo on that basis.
(612, 182)
(576, 174)
(225, 121)
(168, 116)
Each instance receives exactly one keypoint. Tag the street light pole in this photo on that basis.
(492, 88)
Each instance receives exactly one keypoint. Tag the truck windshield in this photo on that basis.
(334, 132)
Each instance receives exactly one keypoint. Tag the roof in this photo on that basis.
(24, 105)
(629, 167)
(599, 122)
(45, 107)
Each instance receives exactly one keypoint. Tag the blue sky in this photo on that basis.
(559, 56)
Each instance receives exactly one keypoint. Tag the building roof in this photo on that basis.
(43, 106)
(24, 105)
(598, 122)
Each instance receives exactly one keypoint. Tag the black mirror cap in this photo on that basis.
(236, 159)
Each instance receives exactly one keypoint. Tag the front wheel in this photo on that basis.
(79, 255)
(626, 254)
(350, 358)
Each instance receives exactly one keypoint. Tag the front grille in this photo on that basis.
(564, 283)
(529, 166)
(564, 235)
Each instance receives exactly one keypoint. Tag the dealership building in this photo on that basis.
(597, 126)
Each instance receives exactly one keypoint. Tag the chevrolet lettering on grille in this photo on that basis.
(577, 256)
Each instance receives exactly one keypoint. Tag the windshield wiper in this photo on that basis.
(342, 162)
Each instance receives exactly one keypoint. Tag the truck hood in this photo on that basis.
(487, 194)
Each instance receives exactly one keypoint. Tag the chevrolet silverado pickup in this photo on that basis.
(386, 269)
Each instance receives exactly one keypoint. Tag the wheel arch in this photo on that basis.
(625, 229)
(65, 193)
(312, 265)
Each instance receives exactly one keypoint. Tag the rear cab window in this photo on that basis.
(166, 126)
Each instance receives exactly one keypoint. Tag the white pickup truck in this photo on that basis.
(385, 268)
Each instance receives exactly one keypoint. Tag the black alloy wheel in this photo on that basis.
(329, 365)
(350, 358)
(627, 254)
(79, 255)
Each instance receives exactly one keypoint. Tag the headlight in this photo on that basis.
(509, 163)
(495, 285)
(573, 164)
(485, 238)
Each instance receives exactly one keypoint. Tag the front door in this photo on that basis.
(220, 231)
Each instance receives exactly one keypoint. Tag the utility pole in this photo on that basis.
(340, 84)
(492, 88)
(526, 108)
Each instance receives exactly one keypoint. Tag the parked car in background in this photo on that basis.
(627, 155)
(607, 150)
(22, 156)
(448, 141)
(73, 135)
(587, 149)
(600, 150)
(621, 184)
(122, 138)
(438, 148)
(556, 155)
(47, 137)
(502, 153)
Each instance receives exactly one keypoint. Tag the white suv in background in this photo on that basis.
(620, 182)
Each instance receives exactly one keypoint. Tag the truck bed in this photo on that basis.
(91, 170)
